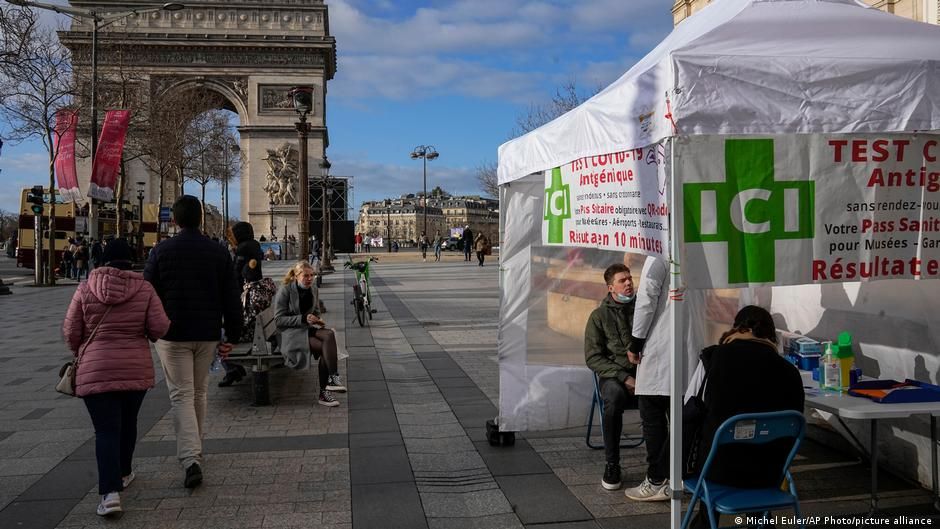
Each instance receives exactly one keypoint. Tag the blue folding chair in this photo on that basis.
(598, 403)
(749, 428)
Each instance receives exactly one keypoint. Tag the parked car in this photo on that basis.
(451, 244)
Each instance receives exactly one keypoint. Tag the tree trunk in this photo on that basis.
(204, 230)
(160, 199)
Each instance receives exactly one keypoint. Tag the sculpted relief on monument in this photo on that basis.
(281, 178)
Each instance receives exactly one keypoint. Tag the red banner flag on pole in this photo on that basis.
(107, 163)
(64, 147)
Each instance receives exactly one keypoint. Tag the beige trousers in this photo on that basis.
(186, 366)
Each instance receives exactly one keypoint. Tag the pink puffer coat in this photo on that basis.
(118, 358)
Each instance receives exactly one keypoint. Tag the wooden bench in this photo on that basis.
(259, 355)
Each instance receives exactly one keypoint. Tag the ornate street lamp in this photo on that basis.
(302, 97)
(388, 225)
(425, 152)
(325, 264)
(271, 223)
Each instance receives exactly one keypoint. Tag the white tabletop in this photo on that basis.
(849, 407)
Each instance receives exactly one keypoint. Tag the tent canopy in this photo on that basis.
(754, 67)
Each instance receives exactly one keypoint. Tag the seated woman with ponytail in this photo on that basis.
(303, 333)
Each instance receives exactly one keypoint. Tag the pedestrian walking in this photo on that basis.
(111, 320)
(482, 247)
(438, 241)
(467, 241)
(193, 277)
(67, 258)
(357, 240)
(423, 242)
(81, 261)
(367, 243)
(304, 334)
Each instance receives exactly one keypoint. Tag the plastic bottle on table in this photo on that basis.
(830, 375)
(846, 357)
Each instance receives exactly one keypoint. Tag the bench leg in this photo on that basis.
(260, 388)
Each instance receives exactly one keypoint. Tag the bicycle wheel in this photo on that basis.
(364, 287)
(359, 305)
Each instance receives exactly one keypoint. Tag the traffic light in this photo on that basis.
(35, 197)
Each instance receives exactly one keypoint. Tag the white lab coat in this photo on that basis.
(649, 321)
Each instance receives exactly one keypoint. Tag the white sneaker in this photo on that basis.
(646, 491)
(110, 504)
(326, 399)
(126, 480)
(334, 383)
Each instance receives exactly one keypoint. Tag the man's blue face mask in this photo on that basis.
(625, 299)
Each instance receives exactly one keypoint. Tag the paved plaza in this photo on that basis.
(405, 449)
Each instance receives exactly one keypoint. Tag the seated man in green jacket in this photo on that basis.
(606, 340)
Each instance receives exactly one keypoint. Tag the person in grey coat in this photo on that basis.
(303, 333)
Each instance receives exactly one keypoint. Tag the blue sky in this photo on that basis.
(452, 74)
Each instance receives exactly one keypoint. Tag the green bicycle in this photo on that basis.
(362, 297)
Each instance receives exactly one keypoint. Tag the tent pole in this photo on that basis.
(676, 324)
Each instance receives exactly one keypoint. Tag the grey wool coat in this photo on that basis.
(292, 325)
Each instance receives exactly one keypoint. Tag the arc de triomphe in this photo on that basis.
(251, 52)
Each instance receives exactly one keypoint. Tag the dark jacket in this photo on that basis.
(194, 279)
(467, 240)
(746, 376)
(246, 249)
(607, 337)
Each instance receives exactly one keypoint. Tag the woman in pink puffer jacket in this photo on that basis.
(116, 369)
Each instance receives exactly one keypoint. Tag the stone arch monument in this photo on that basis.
(250, 52)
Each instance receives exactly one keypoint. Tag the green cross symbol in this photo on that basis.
(750, 210)
(557, 207)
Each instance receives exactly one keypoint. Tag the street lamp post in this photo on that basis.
(140, 219)
(325, 264)
(425, 152)
(99, 20)
(388, 225)
(271, 222)
(302, 97)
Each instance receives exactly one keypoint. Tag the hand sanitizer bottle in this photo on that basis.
(831, 369)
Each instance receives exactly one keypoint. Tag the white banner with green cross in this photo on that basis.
(799, 209)
(613, 201)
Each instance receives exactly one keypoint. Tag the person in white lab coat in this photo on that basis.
(650, 351)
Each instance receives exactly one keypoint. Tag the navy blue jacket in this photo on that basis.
(193, 277)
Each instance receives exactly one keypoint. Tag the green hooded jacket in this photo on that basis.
(607, 337)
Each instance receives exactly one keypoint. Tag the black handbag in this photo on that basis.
(693, 418)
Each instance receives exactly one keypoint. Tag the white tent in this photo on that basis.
(786, 69)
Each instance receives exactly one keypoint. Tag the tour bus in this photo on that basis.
(69, 222)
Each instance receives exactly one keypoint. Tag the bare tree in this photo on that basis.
(35, 83)
(8, 224)
(566, 98)
(209, 138)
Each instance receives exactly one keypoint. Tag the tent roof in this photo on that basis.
(754, 67)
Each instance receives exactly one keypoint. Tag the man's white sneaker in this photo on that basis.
(334, 383)
(647, 491)
(110, 504)
(126, 480)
